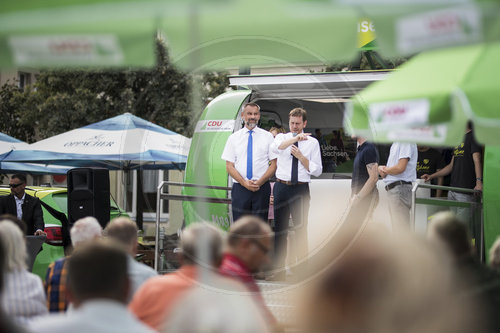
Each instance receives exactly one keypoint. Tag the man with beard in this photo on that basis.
(250, 162)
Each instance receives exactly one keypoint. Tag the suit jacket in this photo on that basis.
(32, 211)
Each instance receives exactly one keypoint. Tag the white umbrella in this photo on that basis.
(123, 142)
(8, 144)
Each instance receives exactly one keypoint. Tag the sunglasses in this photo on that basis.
(15, 185)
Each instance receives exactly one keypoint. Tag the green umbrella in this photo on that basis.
(431, 97)
(227, 33)
(199, 34)
(78, 32)
(406, 27)
(244, 33)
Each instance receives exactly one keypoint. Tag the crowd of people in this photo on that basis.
(363, 280)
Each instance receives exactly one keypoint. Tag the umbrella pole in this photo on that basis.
(140, 201)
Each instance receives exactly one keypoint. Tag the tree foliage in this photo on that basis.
(12, 104)
(62, 100)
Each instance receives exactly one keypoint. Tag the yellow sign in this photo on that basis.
(366, 33)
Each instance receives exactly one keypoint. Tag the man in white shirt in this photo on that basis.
(398, 174)
(299, 157)
(250, 163)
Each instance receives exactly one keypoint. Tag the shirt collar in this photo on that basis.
(247, 130)
(234, 259)
(22, 199)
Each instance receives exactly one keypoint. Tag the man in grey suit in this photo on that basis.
(24, 206)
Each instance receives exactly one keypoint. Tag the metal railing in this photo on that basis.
(475, 206)
(166, 196)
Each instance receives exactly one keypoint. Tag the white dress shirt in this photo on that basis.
(235, 151)
(94, 316)
(19, 206)
(397, 152)
(309, 148)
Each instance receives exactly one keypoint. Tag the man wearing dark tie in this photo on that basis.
(250, 162)
(24, 206)
(299, 157)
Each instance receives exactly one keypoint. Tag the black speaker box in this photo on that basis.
(88, 194)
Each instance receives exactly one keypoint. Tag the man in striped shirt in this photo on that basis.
(83, 230)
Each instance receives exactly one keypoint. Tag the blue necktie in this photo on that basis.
(295, 167)
(249, 155)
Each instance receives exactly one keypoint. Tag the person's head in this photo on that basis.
(447, 229)
(495, 254)
(423, 148)
(360, 140)
(124, 231)
(297, 120)
(380, 284)
(250, 239)
(468, 128)
(196, 239)
(85, 229)
(98, 270)
(20, 223)
(17, 184)
(276, 130)
(251, 115)
(15, 245)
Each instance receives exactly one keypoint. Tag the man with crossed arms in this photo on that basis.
(299, 157)
(250, 162)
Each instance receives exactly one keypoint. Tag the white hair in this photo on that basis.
(15, 245)
(85, 229)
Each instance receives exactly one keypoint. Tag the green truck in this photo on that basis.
(324, 96)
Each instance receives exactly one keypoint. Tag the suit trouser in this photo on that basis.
(245, 202)
(294, 200)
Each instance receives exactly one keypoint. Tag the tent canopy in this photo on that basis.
(122, 142)
(8, 143)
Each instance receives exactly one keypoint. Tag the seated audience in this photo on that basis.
(98, 287)
(84, 230)
(372, 282)
(124, 231)
(249, 242)
(479, 283)
(157, 297)
(23, 298)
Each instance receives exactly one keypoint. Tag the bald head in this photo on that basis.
(250, 239)
(247, 227)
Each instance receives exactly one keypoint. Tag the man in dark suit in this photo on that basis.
(23, 205)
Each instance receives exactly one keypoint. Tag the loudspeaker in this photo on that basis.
(88, 195)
